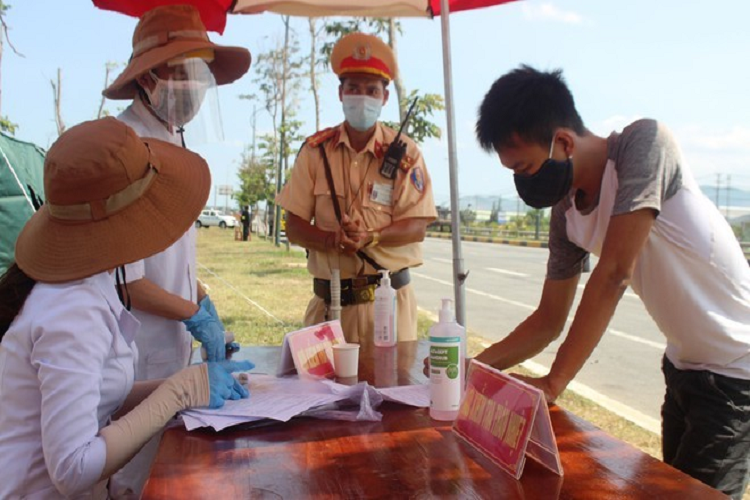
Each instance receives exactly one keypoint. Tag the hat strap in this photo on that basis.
(101, 209)
(150, 42)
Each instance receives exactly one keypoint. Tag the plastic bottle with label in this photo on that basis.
(447, 364)
(385, 312)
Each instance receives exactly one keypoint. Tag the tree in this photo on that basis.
(279, 72)
(108, 67)
(497, 206)
(5, 124)
(467, 216)
(313, 63)
(257, 174)
(420, 127)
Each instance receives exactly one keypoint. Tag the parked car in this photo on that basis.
(209, 218)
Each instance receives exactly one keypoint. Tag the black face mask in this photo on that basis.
(548, 185)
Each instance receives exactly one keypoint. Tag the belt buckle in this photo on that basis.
(364, 294)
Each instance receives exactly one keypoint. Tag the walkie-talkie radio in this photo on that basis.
(396, 150)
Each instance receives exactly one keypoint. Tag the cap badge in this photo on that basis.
(362, 52)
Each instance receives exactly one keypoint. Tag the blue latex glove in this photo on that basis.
(222, 385)
(206, 303)
(207, 330)
(209, 306)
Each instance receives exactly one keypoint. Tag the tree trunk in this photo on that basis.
(313, 73)
(282, 141)
(398, 83)
(106, 82)
(57, 95)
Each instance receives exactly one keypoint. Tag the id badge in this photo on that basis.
(382, 194)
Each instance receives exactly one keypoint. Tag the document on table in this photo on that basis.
(283, 398)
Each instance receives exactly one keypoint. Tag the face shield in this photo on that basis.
(186, 96)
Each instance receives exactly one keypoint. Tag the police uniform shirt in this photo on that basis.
(363, 193)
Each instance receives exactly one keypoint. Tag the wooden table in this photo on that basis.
(406, 455)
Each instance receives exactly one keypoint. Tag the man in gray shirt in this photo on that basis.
(630, 199)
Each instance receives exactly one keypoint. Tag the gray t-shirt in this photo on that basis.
(647, 162)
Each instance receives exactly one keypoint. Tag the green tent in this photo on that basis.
(21, 187)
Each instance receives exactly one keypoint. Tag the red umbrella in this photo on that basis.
(213, 12)
(459, 5)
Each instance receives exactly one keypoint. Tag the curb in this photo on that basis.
(488, 239)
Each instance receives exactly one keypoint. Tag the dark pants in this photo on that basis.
(706, 427)
(245, 232)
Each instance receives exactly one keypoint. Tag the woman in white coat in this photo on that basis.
(72, 414)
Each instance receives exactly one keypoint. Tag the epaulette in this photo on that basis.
(321, 136)
(406, 163)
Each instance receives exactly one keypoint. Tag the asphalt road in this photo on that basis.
(504, 287)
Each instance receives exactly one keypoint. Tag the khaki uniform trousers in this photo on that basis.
(358, 321)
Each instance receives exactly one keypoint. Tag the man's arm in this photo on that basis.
(626, 236)
(302, 233)
(149, 297)
(538, 330)
(399, 233)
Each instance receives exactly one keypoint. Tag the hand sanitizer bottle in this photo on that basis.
(447, 365)
(385, 312)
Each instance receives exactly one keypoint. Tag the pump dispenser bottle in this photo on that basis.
(385, 312)
(447, 364)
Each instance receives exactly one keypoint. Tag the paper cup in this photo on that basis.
(346, 360)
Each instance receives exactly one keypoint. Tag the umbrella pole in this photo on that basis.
(459, 276)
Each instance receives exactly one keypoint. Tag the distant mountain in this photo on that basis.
(733, 197)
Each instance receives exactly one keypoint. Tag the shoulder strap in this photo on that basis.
(329, 179)
(337, 208)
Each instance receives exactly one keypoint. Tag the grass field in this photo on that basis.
(261, 293)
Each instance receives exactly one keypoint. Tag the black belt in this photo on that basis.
(359, 290)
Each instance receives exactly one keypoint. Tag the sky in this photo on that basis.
(682, 62)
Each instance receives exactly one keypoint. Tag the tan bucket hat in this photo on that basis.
(112, 198)
(168, 32)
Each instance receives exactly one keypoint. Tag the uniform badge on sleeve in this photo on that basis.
(417, 179)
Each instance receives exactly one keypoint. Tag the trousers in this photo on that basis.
(706, 427)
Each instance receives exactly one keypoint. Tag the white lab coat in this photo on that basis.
(66, 365)
(164, 345)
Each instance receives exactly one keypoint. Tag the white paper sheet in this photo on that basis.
(284, 398)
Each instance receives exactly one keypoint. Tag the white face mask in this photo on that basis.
(361, 111)
(176, 102)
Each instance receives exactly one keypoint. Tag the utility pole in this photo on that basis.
(729, 183)
(718, 183)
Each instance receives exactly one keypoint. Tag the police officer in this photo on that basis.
(348, 211)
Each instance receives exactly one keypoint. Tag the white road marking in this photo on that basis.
(477, 292)
(617, 333)
(509, 273)
(631, 414)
